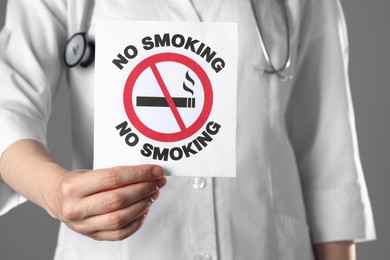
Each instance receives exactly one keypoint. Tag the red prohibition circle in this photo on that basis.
(151, 62)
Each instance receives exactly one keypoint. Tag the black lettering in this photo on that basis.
(218, 64)
(177, 156)
(121, 60)
(148, 43)
(147, 150)
(175, 153)
(200, 49)
(196, 143)
(179, 43)
(162, 42)
(133, 54)
(158, 155)
(203, 140)
(188, 150)
(209, 55)
(131, 139)
(213, 128)
(123, 128)
(190, 44)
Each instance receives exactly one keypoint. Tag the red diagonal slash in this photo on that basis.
(168, 97)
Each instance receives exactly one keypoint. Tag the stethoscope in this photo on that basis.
(80, 51)
(280, 72)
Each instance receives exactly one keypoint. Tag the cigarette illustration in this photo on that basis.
(185, 102)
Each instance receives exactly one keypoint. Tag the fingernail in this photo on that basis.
(150, 201)
(157, 171)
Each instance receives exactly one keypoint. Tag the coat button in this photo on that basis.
(199, 183)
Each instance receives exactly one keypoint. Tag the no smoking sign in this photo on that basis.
(166, 94)
(166, 106)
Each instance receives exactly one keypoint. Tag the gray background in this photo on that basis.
(29, 233)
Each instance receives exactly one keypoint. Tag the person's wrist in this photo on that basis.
(50, 189)
(341, 250)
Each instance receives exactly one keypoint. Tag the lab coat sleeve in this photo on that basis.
(31, 44)
(321, 125)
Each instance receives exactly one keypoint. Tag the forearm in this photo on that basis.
(344, 250)
(28, 169)
(104, 204)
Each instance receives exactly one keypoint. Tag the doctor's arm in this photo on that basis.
(335, 251)
(107, 204)
(321, 127)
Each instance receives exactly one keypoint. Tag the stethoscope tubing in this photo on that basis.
(272, 68)
(87, 14)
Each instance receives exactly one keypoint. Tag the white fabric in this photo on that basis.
(299, 177)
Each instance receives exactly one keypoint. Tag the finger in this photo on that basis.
(118, 220)
(121, 234)
(107, 179)
(108, 201)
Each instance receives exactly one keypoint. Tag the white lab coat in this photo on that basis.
(299, 179)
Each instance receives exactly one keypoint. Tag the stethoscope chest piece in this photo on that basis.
(79, 51)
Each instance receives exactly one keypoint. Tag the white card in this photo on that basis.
(165, 93)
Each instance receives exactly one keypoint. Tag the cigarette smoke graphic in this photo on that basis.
(191, 81)
(186, 102)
